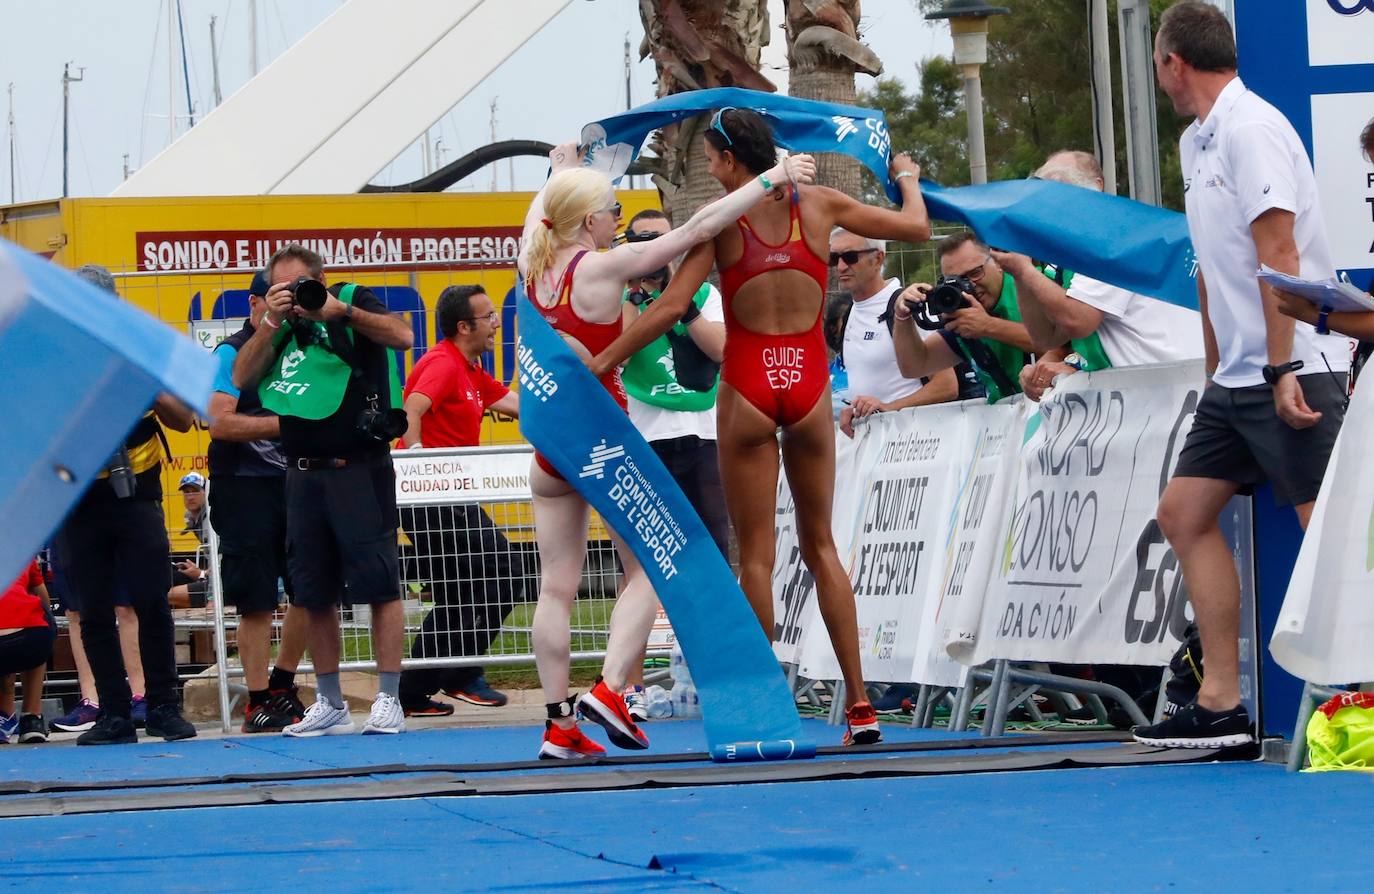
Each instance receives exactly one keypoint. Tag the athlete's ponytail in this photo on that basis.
(569, 197)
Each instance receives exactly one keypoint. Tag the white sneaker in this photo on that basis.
(386, 716)
(321, 719)
(636, 703)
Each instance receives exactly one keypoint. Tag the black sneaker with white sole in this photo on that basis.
(1193, 726)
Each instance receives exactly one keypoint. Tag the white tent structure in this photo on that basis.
(336, 108)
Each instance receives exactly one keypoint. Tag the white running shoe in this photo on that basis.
(321, 719)
(386, 717)
(636, 703)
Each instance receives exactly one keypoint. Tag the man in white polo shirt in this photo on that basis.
(1277, 392)
(1132, 329)
(875, 382)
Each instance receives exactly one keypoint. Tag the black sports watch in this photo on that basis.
(1272, 374)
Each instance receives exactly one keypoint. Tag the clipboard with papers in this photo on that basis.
(1330, 293)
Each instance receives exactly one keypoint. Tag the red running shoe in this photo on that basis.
(863, 725)
(566, 744)
(602, 705)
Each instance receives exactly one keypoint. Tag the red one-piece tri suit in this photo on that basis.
(595, 337)
(782, 375)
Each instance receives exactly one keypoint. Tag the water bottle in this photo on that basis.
(678, 669)
(658, 703)
(685, 703)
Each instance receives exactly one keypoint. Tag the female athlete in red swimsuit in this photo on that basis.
(579, 288)
(773, 281)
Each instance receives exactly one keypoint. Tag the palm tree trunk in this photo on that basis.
(698, 44)
(824, 53)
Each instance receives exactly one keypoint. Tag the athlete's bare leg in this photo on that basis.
(747, 442)
(808, 454)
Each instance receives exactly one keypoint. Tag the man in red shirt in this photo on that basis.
(26, 638)
(457, 548)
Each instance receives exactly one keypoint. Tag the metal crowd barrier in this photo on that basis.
(469, 570)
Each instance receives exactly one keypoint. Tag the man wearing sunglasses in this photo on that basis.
(458, 549)
(875, 383)
(987, 332)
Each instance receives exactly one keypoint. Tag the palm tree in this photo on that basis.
(824, 53)
(698, 44)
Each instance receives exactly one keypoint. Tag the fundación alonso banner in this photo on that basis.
(569, 418)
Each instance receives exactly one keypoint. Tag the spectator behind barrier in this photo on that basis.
(27, 631)
(875, 383)
(319, 360)
(671, 384)
(1103, 325)
(248, 507)
(985, 331)
(459, 551)
(1252, 200)
(837, 308)
(118, 525)
(188, 576)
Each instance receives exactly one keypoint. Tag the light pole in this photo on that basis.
(968, 20)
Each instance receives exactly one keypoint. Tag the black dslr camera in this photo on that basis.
(309, 294)
(382, 426)
(945, 297)
(948, 294)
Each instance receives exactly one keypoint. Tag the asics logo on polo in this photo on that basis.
(1350, 7)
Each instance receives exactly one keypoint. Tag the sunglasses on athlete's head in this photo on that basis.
(850, 257)
(719, 127)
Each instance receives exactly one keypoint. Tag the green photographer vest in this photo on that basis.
(649, 376)
(309, 380)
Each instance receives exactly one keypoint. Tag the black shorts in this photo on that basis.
(25, 649)
(341, 530)
(1237, 436)
(249, 515)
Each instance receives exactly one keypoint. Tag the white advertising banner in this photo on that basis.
(1085, 575)
(1326, 625)
(892, 550)
(980, 509)
(1345, 178)
(461, 475)
(1340, 32)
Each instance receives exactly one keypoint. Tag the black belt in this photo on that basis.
(316, 463)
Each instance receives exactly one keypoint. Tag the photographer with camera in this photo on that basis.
(973, 313)
(319, 360)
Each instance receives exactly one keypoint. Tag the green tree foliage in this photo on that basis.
(1037, 95)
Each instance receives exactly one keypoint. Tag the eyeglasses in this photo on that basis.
(849, 257)
(977, 272)
(490, 318)
(614, 208)
(719, 127)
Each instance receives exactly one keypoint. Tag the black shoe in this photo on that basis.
(109, 729)
(428, 708)
(265, 718)
(166, 722)
(1194, 726)
(286, 702)
(32, 729)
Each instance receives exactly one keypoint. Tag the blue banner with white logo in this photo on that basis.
(1117, 240)
(570, 419)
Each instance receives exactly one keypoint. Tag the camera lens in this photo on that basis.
(948, 294)
(309, 293)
